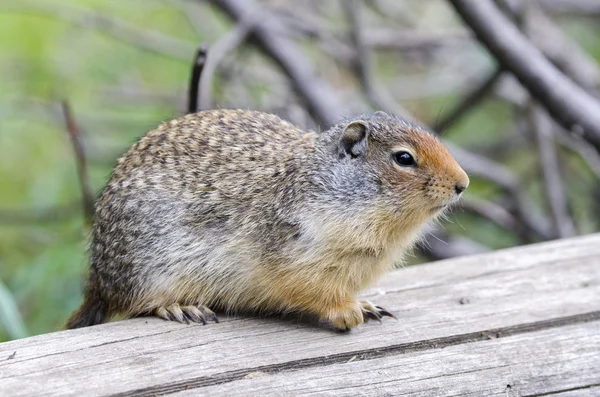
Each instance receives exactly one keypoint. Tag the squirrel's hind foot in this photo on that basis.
(186, 314)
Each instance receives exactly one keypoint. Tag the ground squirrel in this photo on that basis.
(237, 210)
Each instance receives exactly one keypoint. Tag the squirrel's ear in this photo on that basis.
(354, 141)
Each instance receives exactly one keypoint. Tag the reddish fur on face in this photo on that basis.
(430, 184)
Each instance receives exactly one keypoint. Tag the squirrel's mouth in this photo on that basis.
(439, 208)
(445, 205)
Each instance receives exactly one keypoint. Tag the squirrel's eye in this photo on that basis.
(404, 159)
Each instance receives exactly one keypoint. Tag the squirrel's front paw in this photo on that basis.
(186, 314)
(347, 318)
(355, 313)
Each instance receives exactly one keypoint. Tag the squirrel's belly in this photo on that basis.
(233, 276)
(214, 276)
(298, 286)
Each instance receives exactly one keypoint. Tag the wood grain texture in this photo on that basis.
(564, 358)
(476, 307)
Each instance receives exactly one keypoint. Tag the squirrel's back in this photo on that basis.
(196, 151)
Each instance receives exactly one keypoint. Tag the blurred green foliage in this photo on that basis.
(45, 60)
(118, 91)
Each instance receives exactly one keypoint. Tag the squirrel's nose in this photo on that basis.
(460, 187)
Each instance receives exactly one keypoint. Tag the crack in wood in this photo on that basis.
(367, 354)
(94, 346)
(556, 392)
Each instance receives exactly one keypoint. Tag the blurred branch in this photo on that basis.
(308, 25)
(564, 52)
(497, 214)
(320, 99)
(549, 38)
(477, 165)
(590, 8)
(410, 40)
(384, 39)
(574, 143)
(218, 52)
(379, 98)
(470, 100)
(87, 196)
(568, 103)
(581, 147)
(197, 67)
(149, 40)
(568, 57)
(553, 184)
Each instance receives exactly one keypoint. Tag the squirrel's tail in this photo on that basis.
(93, 310)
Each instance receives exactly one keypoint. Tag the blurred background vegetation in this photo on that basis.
(124, 67)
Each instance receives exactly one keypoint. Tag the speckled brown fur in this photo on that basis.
(239, 210)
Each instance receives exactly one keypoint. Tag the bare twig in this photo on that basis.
(499, 215)
(379, 98)
(553, 184)
(219, 50)
(87, 195)
(472, 99)
(574, 143)
(590, 8)
(320, 100)
(197, 67)
(483, 167)
(306, 24)
(560, 49)
(582, 148)
(410, 40)
(569, 104)
(563, 51)
(568, 57)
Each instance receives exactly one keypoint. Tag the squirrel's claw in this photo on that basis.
(194, 314)
(200, 314)
(171, 313)
(372, 312)
(184, 314)
(369, 315)
(209, 315)
(385, 312)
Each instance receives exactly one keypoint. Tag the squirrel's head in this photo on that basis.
(409, 169)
